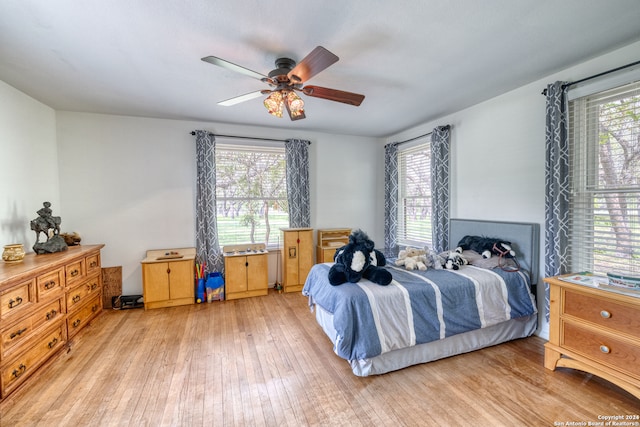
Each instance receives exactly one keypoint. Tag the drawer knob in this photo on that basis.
(76, 298)
(17, 333)
(49, 285)
(74, 273)
(51, 314)
(53, 342)
(605, 349)
(605, 314)
(17, 372)
(76, 323)
(15, 303)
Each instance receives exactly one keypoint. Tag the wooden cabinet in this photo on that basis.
(297, 257)
(245, 270)
(168, 277)
(39, 300)
(596, 331)
(330, 239)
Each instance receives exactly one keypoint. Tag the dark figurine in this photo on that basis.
(43, 224)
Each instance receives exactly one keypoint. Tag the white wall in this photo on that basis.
(129, 183)
(28, 165)
(498, 152)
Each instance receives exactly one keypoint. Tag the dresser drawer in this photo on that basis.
(15, 372)
(78, 295)
(50, 285)
(17, 300)
(92, 263)
(603, 312)
(17, 335)
(602, 348)
(78, 319)
(74, 271)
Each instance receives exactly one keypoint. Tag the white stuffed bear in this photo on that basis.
(412, 258)
(434, 260)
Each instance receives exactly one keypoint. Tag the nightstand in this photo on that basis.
(596, 331)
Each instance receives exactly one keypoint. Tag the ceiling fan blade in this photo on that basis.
(333, 95)
(317, 60)
(233, 67)
(241, 98)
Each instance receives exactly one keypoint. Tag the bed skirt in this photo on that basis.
(428, 352)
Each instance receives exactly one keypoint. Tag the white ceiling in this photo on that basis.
(415, 60)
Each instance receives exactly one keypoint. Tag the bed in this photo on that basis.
(423, 316)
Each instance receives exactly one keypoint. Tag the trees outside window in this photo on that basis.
(251, 194)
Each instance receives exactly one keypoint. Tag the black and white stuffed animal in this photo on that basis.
(486, 246)
(358, 259)
(454, 260)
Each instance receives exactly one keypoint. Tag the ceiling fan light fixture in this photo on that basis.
(274, 103)
(295, 106)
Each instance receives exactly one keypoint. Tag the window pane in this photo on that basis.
(414, 182)
(251, 194)
(605, 181)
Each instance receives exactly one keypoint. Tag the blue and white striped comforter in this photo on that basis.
(417, 307)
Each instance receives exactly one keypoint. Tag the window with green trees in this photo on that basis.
(251, 194)
(604, 137)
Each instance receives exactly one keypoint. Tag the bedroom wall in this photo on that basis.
(129, 183)
(498, 152)
(28, 164)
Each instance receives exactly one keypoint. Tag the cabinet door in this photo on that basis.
(235, 271)
(305, 258)
(290, 256)
(156, 281)
(257, 277)
(181, 280)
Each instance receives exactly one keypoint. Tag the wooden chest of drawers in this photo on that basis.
(596, 331)
(44, 301)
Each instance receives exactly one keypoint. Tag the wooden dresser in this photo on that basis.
(596, 331)
(45, 300)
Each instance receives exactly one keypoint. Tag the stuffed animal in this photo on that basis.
(455, 260)
(412, 259)
(421, 259)
(358, 259)
(434, 260)
(486, 246)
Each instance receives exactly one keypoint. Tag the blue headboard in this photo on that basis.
(524, 237)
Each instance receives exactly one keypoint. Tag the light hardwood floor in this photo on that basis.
(265, 362)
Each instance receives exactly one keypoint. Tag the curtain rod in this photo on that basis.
(412, 139)
(604, 73)
(243, 137)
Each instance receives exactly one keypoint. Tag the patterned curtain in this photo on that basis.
(556, 207)
(390, 196)
(440, 138)
(207, 245)
(297, 157)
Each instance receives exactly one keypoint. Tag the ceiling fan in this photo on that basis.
(287, 79)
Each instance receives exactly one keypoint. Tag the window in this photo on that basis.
(414, 198)
(604, 138)
(251, 193)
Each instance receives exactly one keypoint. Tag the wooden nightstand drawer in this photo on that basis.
(15, 372)
(615, 353)
(17, 300)
(603, 312)
(50, 284)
